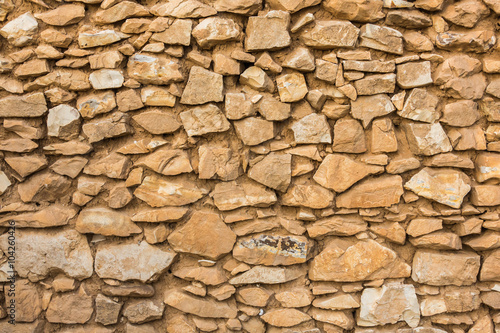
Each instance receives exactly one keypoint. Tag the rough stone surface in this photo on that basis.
(382, 191)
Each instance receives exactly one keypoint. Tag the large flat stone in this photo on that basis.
(382, 191)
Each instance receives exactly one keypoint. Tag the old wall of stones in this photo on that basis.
(250, 166)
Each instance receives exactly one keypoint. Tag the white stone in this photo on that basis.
(106, 79)
(20, 31)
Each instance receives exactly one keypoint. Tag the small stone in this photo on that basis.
(487, 166)
(336, 226)
(113, 166)
(111, 59)
(257, 79)
(268, 275)
(381, 38)
(204, 119)
(422, 226)
(274, 171)
(153, 70)
(177, 33)
(70, 167)
(258, 27)
(373, 66)
(20, 31)
(70, 309)
(203, 86)
(68, 148)
(365, 108)
(107, 310)
(129, 290)
(461, 113)
(201, 307)
(226, 66)
(300, 59)
(112, 126)
(388, 305)
(382, 191)
(168, 162)
(478, 41)
(134, 260)
(183, 9)
(326, 71)
(220, 162)
(106, 79)
(63, 15)
(331, 34)
(32, 105)
(489, 269)
(312, 196)
(53, 215)
(98, 38)
(272, 109)
(215, 30)
(105, 222)
(439, 240)
(348, 136)
(244, 7)
(27, 164)
(285, 317)
(291, 87)
(376, 84)
(430, 5)
(352, 10)
(341, 319)
(35, 67)
(488, 240)
(427, 139)
(417, 42)
(253, 131)
(302, 22)
(63, 121)
(91, 105)
(119, 12)
(142, 311)
(485, 195)
(421, 106)
(465, 13)
(340, 262)
(240, 193)
(157, 122)
(383, 136)
(44, 186)
(414, 74)
(313, 128)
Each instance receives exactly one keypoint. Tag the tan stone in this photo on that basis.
(409, 19)
(35, 67)
(157, 122)
(485, 195)
(383, 138)
(427, 139)
(32, 105)
(204, 119)
(388, 305)
(285, 317)
(291, 87)
(465, 13)
(70, 309)
(312, 196)
(312, 128)
(202, 86)
(63, 121)
(461, 113)
(376, 84)
(336, 226)
(381, 38)
(294, 298)
(244, 7)
(489, 269)
(382, 191)
(105, 222)
(183, 9)
(53, 215)
(438, 240)
(342, 261)
(96, 38)
(326, 71)
(486, 167)
(176, 33)
(274, 171)
(269, 275)
(300, 59)
(258, 27)
(242, 192)
(337, 302)
(21, 30)
(215, 30)
(343, 319)
(422, 226)
(220, 162)
(161, 191)
(63, 15)
(27, 164)
(257, 79)
(119, 12)
(348, 136)
(488, 240)
(129, 290)
(66, 251)
(168, 162)
(113, 166)
(141, 262)
(107, 310)
(273, 110)
(91, 105)
(352, 10)
(482, 41)
(330, 34)
(27, 301)
(141, 311)
(414, 74)
(44, 186)
(153, 70)
(253, 131)
(253, 296)
(205, 308)
(365, 108)
(226, 66)
(18, 145)
(445, 268)
(417, 42)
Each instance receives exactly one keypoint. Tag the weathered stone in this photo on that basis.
(27, 301)
(253, 131)
(32, 105)
(294, 298)
(376, 84)
(157, 122)
(269, 275)
(489, 269)
(312, 128)
(274, 171)
(465, 13)
(153, 70)
(381, 38)
(32, 68)
(106, 79)
(204, 119)
(336, 226)
(119, 12)
(342, 261)
(52, 216)
(63, 15)
(242, 192)
(129, 290)
(105, 222)
(487, 166)
(439, 240)
(348, 136)
(300, 59)
(337, 302)
(177, 33)
(157, 96)
(183, 9)
(216, 161)
(215, 30)
(63, 121)
(142, 311)
(409, 19)
(485, 195)
(417, 42)
(244, 7)
(486, 241)
(197, 235)
(330, 34)
(253, 296)
(272, 109)
(291, 87)
(383, 136)
(285, 317)
(68, 148)
(272, 250)
(162, 191)
(113, 166)
(44, 186)
(374, 66)
(338, 172)
(91, 105)
(312, 196)
(258, 27)
(206, 308)
(70, 309)
(343, 319)
(112, 126)
(107, 310)
(20, 31)
(141, 262)
(382, 191)
(461, 113)
(168, 162)
(427, 139)
(326, 71)
(66, 251)
(478, 41)
(257, 79)
(365, 108)
(18, 145)
(423, 226)
(98, 38)
(414, 74)
(203, 86)
(388, 305)
(445, 268)
(27, 164)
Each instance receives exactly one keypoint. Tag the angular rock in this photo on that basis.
(119, 12)
(489, 269)
(342, 261)
(273, 110)
(465, 13)
(244, 7)
(331, 34)
(197, 235)
(291, 87)
(153, 70)
(204, 119)
(337, 302)
(253, 131)
(269, 275)
(242, 192)
(156, 96)
(365, 108)
(272, 250)
(183, 9)
(35, 67)
(382, 191)
(106, 79)
(409, 19)
(486, 241)
(258, 37)
(107, 310)
(381, 38)
(63, 121)
(105, 221)
(461, 113)
(98, 38)
(203, 86)
(487, 167)
(70, 309)
(63, 15)
(142, 311)
(220, 162)
(65, 251)
(18, 145)
(348, 136)
(336, 226)
(52, 216)
(383, 136)
(312, 196)
(27, 301)
(113, 166)
(215, 30)
(68, 148)
(445, 268)
(20, 31)
(201, 307)
(168, 162)
(427, 139)
(414, 74)
(388, 305)
(439, 240)
(27, 164)
(422, 226)
(177, 33)
(44, 186)
(343, 319)
(168, 191)
(478, 41)
(141, 262)
(91, 105)
(157, 122)
(112, 126)
(376, 84)
(352, 10)
(274, 171)
(32, 105)
(300, 59)
(485, 195)
(285, 317)
(312, 128)
(257, 79)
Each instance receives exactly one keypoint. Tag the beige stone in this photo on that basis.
(21, 30)
(489, 269)
(330, 34)
(204, 119)
(352, 10)
(32, 105)
(202, 86)
(487, 167)
(300, 59)
(141, 311)
(348, 136)
(141, 262)
(422, 226)
(114, 125)
(312, 128)
(337, 302)
(414, 74)
(427, 139)
(96, 38)
(485, 195)
(244, 7)
(461, 113)
(214, 30)
(253, 296)
(482, 40)
(257, 36)
(343, 319)
(70, 309)
(382, 191)
(201, 307)
(27, 164)
(253, 131)
(153, 70)
(291, 87)
(465, 13)
(376, 84)
(119, 12)
(285, 317)
(438, 240)
(342, 261)
(91, 105)
(383, 136)
(157, 122)
(168, 162)
(296, 297)
(336, 226)
(409, 19)
(274, 171)
(216, 161)
(273, 110)
(177, 33)
(381, 38)
(44, 186)
(242, 192)
(312, 196)
(63, 15)
(488, 240)
(106, 222)
(183, 9)
(53, 215)
(113, 166)
(63, 121)
(257, 79)
(366, 108)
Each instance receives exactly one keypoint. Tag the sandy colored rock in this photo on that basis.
(257, 36)
(352, 10)
(366, 108)
(487, 166)
(291, 87)
(381, 38)
(70, 309)
(439, 240)
(482, 41)
(27, 164)
(257, 79)
(274, 171)
(117, 124)
(141, 262)
(338, 172)
(105, 221)
(348, 136)
(205, 308)
(461, 113)
(244, 7)
(56, 250)
(427, 139)
(157, 122)
(343, 319)
(268, 275)
(409, 19)
(242, 192)
(153, 70)
(253, 131)
(113, 166)
(445, 268)
(214, 30)
(383, 136)
(465, 13)
(204, 119)
(107, 310)
(330, 34)
(300, 59)
(172, 191)
(388, 305)
(217, 161)
(63, 121)
(341, 261)
(414, 74)
(382, 191)
(485, 195)
(183, 9)
(336, 226)
(52, 216)
(312, 196)
(253, 296)
(142, 311)
(202, 86)
(119, 12)
(273, 110)
(285, 317)
(486, 241)
(376, 84)
(168, 162)
(272, 250)
(489, 269)
(63, 15)
(156, 96)
(44, 186)
(32, 105)
(96, 38)
(20, 31)
(94, 104)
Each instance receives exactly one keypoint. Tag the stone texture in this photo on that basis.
(20, 31)
(105, 222)
(206, 308)
(382, 191)
(214, 30)
(253, 131)
(204, 119)
(381, 38)
(268, 275)
(313, 128)
(202, 86)
(366, 108)
(63, 15)
(331, 34)
(274, 171)
(257, 36)
(285, 317)
(312, 196)
(157, 122)
(153, 70)
(242, 192)
(70, 309)
(427, 139)
(32, 105)
(414, 74)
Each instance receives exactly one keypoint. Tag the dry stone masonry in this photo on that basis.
(258, 166)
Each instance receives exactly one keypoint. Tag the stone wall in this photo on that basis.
(254, 166)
